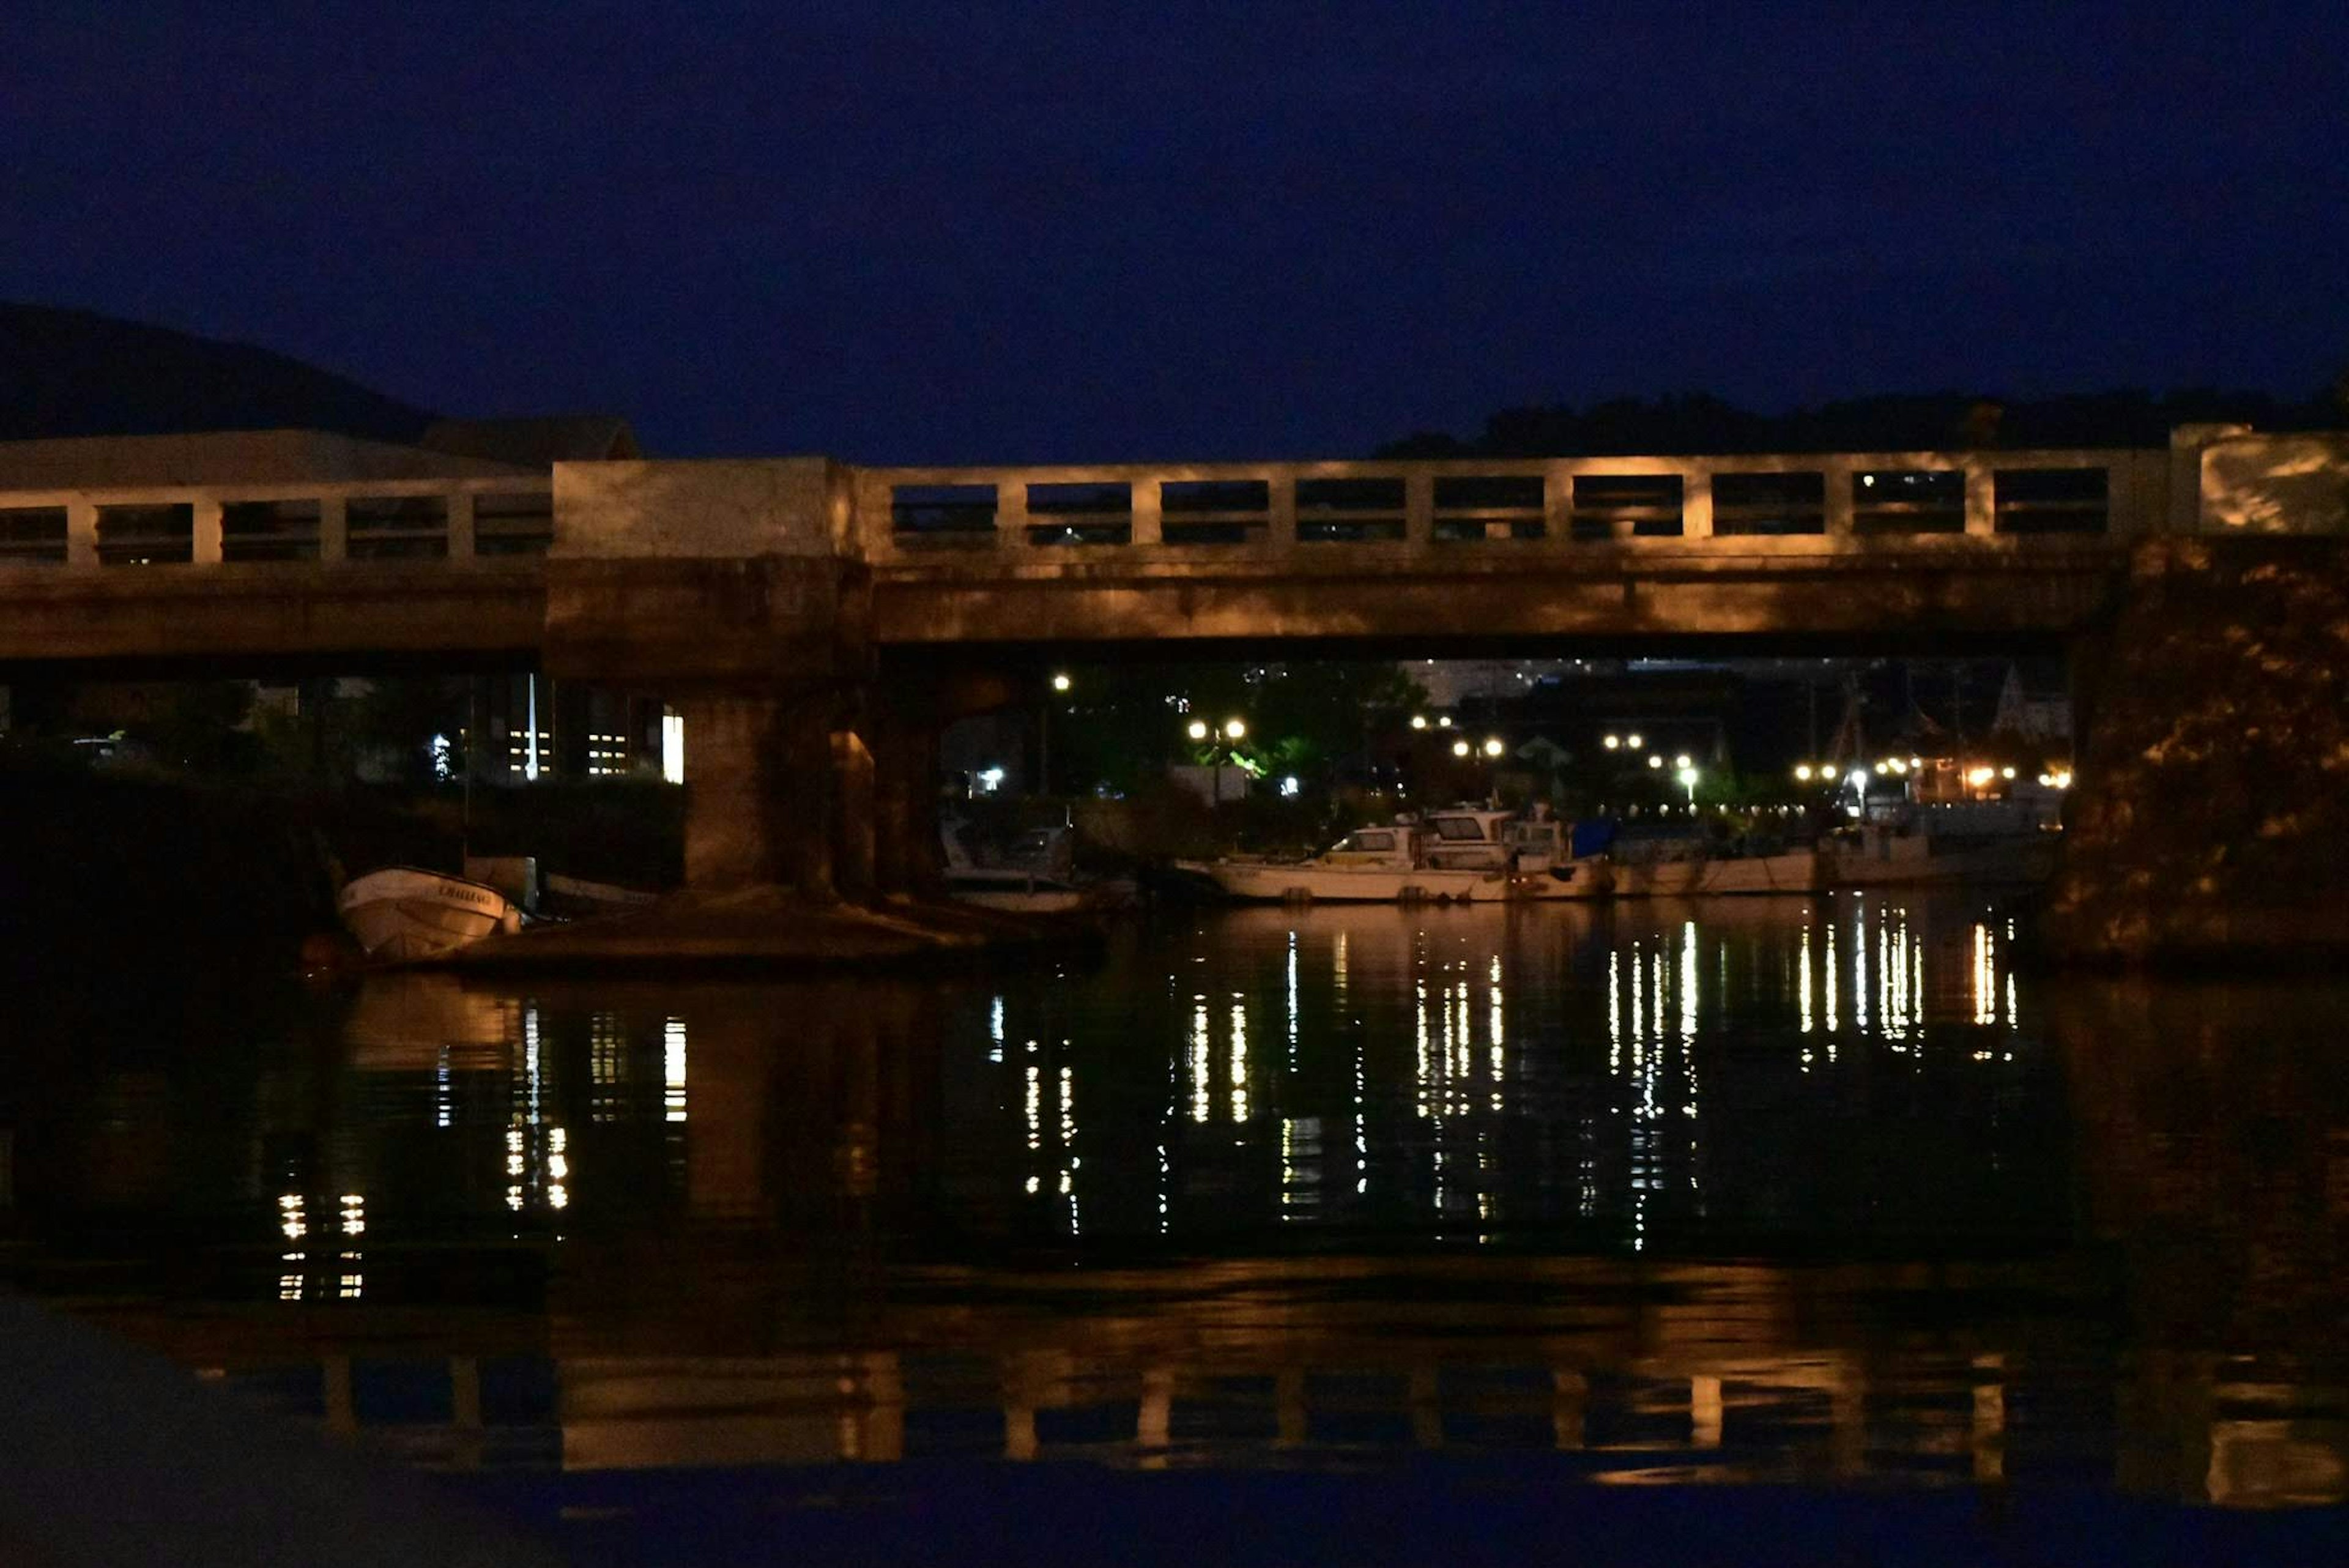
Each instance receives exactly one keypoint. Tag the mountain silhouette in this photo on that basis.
(77, 373)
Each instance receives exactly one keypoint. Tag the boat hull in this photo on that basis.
(1727, 875)
(402, 914)
(1272, 883)
(1990, 865)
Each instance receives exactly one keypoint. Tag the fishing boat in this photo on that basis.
(1465, 853)
(402, 913)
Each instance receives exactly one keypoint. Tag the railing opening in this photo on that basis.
(32, 534)
(399, 528)
(269, 531)
(1626, 505)
(942, 514)
(1470, 508)
(146, 535)
(2051, 500)
(1907, 500)
(1769, 504)
(1348, 511)
(1100, 513)
(519, 522)
(1214, 511)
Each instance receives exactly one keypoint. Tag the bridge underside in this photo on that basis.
(1626, 596)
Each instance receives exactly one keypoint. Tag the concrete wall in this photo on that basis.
(2276, 485)
(726, 509)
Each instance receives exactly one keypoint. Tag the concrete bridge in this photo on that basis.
(816, 622)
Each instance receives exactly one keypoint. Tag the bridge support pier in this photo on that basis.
(760, 790)
(2210, 815)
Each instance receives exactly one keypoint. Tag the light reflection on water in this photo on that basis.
(1727, 1189)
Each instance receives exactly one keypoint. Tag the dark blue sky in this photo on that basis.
(945, 233)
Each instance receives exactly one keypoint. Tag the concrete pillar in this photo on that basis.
(852, 857)
(1280, 521)
(333, 528)
(1982, 499)
(1558, 502)
(1011, 512)
(204, 536)
(81, 534)
(905, 741)
(1696, 505)
(1149, 512)
(1836, 479)
(1419, 509)
(460, 525)
(759, 791)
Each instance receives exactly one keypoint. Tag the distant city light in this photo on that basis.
(1061, 682)
(1859, 778)
(2006, 773)
(1288, 786)
(1419, 721)
(1980, 776)
(1444, 722)
(1803, 772)
(1655, 761)
(1681, 762)
(1634, 742)
(1459, 748)
(1613, 741)
(1494, 748)
(989, 780)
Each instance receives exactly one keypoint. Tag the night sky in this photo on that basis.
(1088, 232)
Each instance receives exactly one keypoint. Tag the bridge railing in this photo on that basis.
(409, 521)
(1775, 502)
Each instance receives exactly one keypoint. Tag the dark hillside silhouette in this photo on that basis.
(75, 373)
(1699, 422)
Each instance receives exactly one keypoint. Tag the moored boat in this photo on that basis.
(1465, 853)
(403, 913)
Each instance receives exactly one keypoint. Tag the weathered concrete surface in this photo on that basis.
(1964, 586)
(2212, 822)
(267, 611)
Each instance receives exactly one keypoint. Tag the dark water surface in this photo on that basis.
(1822, 1195)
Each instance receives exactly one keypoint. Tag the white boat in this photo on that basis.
(1463, 853)
(1038, 878)
(1683, 868)
(402, 913)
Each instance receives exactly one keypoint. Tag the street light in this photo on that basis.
(1234, 729)
(1681, 762)
(1803, 772)
(1197, 730)
(1655, 761)
(1494, 748)
(1459, 748)
(1687, 775)
(1634, 742)
(1419, 721)
(1061, 682)
(1614, 742)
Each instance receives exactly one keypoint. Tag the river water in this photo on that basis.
(1832, 1195)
